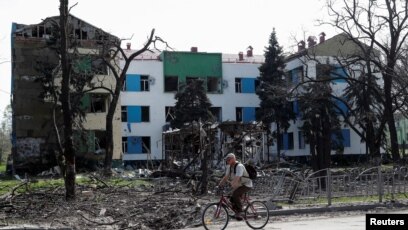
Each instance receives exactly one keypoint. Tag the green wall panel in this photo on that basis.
(187, 64)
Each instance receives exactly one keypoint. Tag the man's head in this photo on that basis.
(230, 159)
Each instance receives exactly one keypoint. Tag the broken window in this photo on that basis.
(238, 113)
(217, 113)
(238, 85)
(169, 111)
(98, 103)
(135, 144)
(213, 85)
(124, 145)
(286, 141)
(94, 103)
(170, 83)
(85, 65)
(145, 144)
(145, 114)
(124, 113)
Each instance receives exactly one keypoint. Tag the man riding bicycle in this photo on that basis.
(241, 183)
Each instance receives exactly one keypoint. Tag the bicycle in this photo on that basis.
(256, 214)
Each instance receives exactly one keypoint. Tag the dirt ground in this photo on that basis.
(163, 204)
(160, 204)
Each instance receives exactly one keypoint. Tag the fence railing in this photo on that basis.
(333, 183)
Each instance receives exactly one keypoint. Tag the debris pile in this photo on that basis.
(162, 203)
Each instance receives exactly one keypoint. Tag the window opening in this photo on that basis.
(124, 113)
(170, 84)
(238, 113)
(213, 85)
(169, 111)
(144, 83)
(238, 85)
(145, 114)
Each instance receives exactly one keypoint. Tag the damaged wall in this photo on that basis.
(33, 50)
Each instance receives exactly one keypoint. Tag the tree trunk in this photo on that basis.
(69, 174)
(389, 114)
(278, 145)
(109, 137)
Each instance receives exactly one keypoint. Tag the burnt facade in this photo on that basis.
(34, 52)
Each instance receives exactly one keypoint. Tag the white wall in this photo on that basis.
(356, 147)
(157, 100)
(229, 100)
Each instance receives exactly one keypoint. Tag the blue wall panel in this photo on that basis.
(342, 106)
(296, 108)
(248, 114)
(248, 85)
(132, 82)
(134, 114)
(134, 144)
(285, 141)
(339, 71)
(346, 137)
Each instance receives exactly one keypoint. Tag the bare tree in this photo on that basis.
(382, 25)
(110, 55)
(69, 153)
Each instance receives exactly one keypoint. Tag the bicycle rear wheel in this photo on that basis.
(256, 215)
(215, 217)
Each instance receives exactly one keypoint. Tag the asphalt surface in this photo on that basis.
(333, 220)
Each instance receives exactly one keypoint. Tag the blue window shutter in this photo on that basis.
(285, 141)
(339, 71)
(248, 114)
(346, 137)
(296, 108)
(134, 114)
(342, 106)
(133, 82)
(134, 144)
(248, 85)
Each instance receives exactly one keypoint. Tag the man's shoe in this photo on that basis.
(238, 216)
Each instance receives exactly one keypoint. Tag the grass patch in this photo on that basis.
(348, 200)
(2, 167)
(50, 184)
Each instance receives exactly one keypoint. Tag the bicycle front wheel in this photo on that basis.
(215, 216)
(256, 215)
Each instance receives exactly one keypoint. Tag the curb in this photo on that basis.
(333, 209)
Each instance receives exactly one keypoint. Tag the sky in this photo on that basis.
(222, 26)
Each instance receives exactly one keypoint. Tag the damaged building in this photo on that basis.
(33, 137)
(148, 100)
(141, 123)
(231, 82)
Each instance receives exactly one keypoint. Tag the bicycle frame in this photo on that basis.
(226, 202)
(220, 212)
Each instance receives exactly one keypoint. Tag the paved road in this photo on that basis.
(323, 222)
